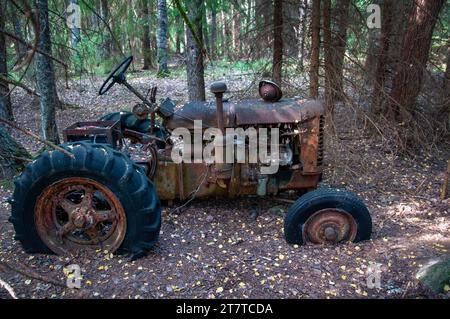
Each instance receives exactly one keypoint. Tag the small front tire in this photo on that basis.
(327, 216)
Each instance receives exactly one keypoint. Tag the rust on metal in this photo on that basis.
(79, 213)
(247, 112)
(309, 143)
(97, 131)
(330, 225)
(270, 91)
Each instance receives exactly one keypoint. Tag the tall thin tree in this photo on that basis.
(146, 45)
(194, 54)
(315, 45)
(5, 100)
(277, 61)
(45, 76)
(163, 69)
(339, 44)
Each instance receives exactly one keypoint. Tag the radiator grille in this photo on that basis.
(320, 145)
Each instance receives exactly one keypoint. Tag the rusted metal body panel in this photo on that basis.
(247, 112)
(177, 181)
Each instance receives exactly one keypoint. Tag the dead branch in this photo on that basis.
(31, 46)
(32, 274)
(8, 288)
(19, 84)
(36, 137)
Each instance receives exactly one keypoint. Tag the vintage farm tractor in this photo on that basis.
(108, 193)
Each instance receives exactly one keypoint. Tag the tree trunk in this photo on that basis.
(381, 63)
(303, 34)
(179, 34)
(194, 55)
(264, 15)
(45, 75)
(12, 155)
(107, 43)
(329, 70)
(162, 38)
(339, 44)
(146, 46)
(413, 57)
(226, 50)
(277, 62)
(236, 30)
(205, 31)
(315, 42)
(20, 48)
(291, 20)
(75, 34)
(5, 100)
(446, 89)
(213, 32)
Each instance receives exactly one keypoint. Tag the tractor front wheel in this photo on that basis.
(327, 216)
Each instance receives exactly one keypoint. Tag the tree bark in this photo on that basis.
(75, 32)
(329, 70)
(277, 62)
(264, 15)
(106, 47)
(446, 90)
(5, 100)
(194, 55)
(303, 34)
(162, 38)
(46, 85)
(381, 63)
(291, 21)
(226, 50)
(146, 45)
(213, 31)
(12, 155)
(20, 48)
(339, 44)
(413, 57)
(236, 27)
(315, 42)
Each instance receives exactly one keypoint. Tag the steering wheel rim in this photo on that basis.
(115, 75)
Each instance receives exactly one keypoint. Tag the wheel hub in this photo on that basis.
(82, 219)
(329, 226)
(78, 213)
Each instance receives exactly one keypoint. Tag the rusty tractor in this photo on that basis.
(107, 194)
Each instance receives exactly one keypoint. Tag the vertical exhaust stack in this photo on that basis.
(218, 89)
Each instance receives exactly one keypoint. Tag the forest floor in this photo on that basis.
(214, 249)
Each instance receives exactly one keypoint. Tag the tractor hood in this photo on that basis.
(245, 112)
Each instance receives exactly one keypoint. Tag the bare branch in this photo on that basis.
(36, 137)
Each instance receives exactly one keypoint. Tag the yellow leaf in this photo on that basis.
(242, 284)
(219, 290)
(281, 257)
(446, 288)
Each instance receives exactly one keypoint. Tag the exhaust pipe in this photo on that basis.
(218, 89)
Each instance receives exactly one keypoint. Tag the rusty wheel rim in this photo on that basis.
(329, 226)
(79, 213)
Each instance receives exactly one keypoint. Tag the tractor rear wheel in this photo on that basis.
(327, 216)
(98, 199)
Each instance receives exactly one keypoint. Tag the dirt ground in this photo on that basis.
(215, 249)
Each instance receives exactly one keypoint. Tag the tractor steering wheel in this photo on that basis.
(116, 76)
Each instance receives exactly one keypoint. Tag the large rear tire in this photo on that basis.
(327, 216)
(61, 203)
